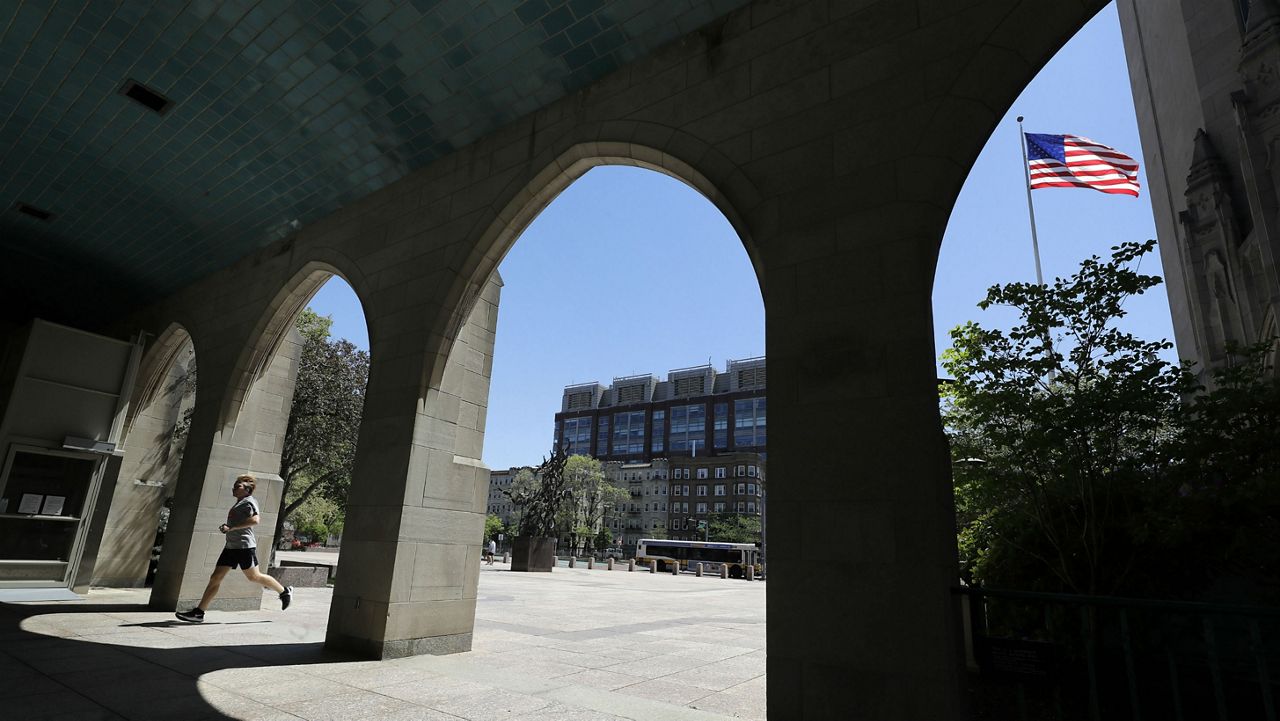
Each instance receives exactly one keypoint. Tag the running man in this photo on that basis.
(240, 551)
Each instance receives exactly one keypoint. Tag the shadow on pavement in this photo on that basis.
(101, 666)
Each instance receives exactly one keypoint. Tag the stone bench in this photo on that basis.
(301, 576)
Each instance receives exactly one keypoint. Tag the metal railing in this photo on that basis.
(1070, 657)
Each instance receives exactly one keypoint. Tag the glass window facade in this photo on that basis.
(720, 426)
(749, 422)
(659, 431)
(577, 435)
(688, 427)
(628, 433)
(602, 436)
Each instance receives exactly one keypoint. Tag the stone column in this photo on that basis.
(854, 432)
(411, 546)
(212, 460)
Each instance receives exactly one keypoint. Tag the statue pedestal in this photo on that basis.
(537, 553)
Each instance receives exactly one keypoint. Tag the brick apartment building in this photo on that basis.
(686, 448)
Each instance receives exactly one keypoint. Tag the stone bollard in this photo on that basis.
(724, 571)
(610, 564)
(653, 566)
(751, 573)
(698, 570)
(591, 563)
(675, 569)
(573, 561)
(506, 556)
(631, 564)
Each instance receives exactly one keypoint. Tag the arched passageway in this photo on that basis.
(242, 432)
(155, 436)
(631, 324)
(835, 140)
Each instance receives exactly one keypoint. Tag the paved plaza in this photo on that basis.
(572, 645)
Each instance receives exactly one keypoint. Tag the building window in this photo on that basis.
(702, 507)
(675, 490)
(720, 472)
(720, 425)
(702, 473)
(751, 489)
(659, 430)
(751, 471)
(719, 489)
(702, 490)
(577, 435)
(686, 488)
(602, 437)
(664, 508)
(741, 507)
(740, 471)
(751, 506)
(742, 489)
(719, 508)
(628, 433)
(688, 427)
(749, 422)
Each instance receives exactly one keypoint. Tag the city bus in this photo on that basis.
(736, 556)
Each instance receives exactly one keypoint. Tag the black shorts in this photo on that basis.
(238, 558)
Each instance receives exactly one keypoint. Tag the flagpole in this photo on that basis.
(1035, 242)
(1031, 209)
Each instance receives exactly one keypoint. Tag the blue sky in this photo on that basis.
(629, 271)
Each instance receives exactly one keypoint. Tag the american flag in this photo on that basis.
(1070, 161)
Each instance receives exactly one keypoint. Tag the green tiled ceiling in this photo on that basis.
(282, 111)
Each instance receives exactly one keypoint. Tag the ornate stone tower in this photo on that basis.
(1206, 80)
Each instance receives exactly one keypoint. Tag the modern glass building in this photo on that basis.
(695, 412)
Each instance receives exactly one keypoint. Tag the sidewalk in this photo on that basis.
(572, 645)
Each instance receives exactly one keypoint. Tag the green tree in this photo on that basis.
(592, 497)
(492, 526)
(1083, 461)
(734, 528)
(604, 538)
(324, 419)
(523, 485)
(1064, 411)
(1222, 522)
(316, 516)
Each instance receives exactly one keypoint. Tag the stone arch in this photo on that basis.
(676, 154)
(153, 444)
(153, 369)
(263, 341)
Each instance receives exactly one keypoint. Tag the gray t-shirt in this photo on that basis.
(243, 510)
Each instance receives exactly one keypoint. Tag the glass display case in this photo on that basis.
(44, 496)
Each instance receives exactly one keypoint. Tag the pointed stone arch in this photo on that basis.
(264, 340)
(661, 149)
(153, 446)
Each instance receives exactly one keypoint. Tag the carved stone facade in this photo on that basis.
(1206, 79)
